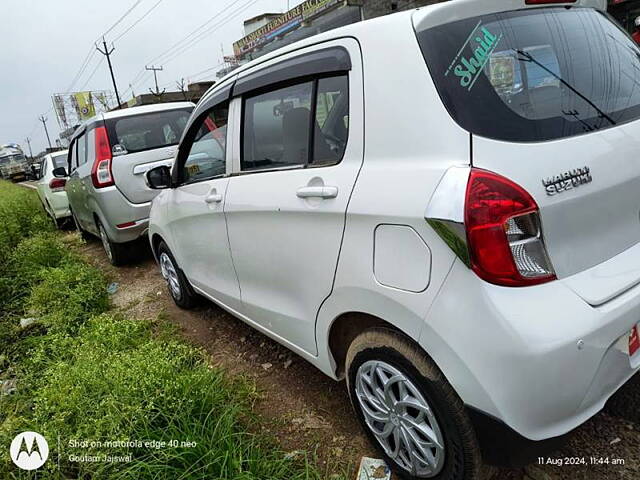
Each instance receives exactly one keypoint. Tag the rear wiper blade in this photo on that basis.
(529, 58)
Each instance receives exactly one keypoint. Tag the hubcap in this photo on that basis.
(105, 242)
(400, 418)
(170, 275)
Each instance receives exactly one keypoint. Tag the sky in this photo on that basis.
(45, 43)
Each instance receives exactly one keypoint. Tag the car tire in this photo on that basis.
(116, 252)
(178, 285)
(84, 234)
(403, 432)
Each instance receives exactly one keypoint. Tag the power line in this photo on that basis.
(36, 123)
(83, 67)
(209, 31)
(28, 140)
(198, 37)
(92, 52)
(191, 77)
(138, 21)
(181, 49)
(44, 119)
(179, 43)
(92, 74)
(196, 75)
(124, 15)
(106, 52)
(195, 31)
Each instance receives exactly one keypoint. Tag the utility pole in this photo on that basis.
(180, 86)
(155, 71)
(43, 119)
(28, 140)
(107, 54)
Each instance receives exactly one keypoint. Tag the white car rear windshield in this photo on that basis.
(536, 74)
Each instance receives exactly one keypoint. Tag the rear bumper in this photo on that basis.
(502, 446)
(539, 359)
(114, 209)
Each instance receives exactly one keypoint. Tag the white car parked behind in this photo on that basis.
(51, 189)
(440, 206)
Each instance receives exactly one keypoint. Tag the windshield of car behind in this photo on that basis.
(147, 131)
(59, 160)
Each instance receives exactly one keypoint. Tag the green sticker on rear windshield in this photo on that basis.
(482, 42)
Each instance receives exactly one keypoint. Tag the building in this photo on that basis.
(308, 18)
(255, 23)
(268, 32)
(193, 93)
(377, 8)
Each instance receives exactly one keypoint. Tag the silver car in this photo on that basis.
(108, 157)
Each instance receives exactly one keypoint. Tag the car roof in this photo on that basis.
(438, 13)
(131, 111)
(351, 30)
(56, 154)
(156, 107)
(447, 12)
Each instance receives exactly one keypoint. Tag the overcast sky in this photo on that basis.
(45, 42)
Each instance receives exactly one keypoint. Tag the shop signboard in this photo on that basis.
(285, 23)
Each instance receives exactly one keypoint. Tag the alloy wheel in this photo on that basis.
(170, 274)
(400, 418)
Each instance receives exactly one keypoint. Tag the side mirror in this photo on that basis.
(158, 178)
(59, 172)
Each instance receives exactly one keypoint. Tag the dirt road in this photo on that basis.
(308, 411)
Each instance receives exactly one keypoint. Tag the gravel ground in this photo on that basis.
(308, 411)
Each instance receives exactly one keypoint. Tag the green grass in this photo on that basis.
(85, 373)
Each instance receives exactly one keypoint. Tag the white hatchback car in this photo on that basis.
(439, 205)
(51, 189)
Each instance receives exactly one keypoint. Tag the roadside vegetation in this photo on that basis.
(76, 371)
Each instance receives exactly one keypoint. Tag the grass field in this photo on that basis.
(98, 385)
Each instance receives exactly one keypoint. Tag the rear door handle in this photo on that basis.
(317, 192)
(213, 198)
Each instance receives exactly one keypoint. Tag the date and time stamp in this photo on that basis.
(580, 461)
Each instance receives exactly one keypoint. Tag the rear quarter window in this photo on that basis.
(59, 161)
(535, 75)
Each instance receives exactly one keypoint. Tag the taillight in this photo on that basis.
(504, 233)
(57, 184)
(101, 175)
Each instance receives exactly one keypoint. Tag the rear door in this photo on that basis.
(552, 98)
(76, 187)
(141, 142)
(85, 147)
(300, 153)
